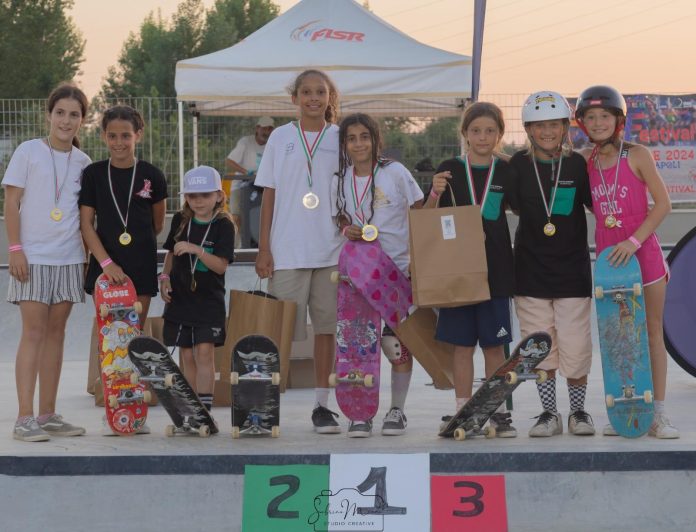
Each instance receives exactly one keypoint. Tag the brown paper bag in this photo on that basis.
(417, 332)
(448, 257)
(256, 313)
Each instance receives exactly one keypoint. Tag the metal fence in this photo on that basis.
(408, 140)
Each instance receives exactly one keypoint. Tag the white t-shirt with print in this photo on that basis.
(44, 240)
(301, 237)
(395, 192)
(247, 153)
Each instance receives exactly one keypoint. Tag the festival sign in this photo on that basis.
(666, 125)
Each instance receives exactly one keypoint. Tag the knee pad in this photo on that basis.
(395, 351)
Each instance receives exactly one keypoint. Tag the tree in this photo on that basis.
(147, 62)
(40, 46)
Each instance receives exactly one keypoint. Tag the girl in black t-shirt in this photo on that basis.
(200, 246)
(480, 178)
(552, 261)
(125, 197)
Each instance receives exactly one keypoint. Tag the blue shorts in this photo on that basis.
(486, 324)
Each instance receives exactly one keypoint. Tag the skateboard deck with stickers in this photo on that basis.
(623, 344)
(117, 309)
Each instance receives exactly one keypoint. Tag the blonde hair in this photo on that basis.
(187, 215)
(478, 110)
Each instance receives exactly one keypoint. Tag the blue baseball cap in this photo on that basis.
(202, 179)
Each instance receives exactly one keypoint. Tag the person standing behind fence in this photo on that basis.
(126, 199)
(298, 242)
(200, 246)
(381, 192)
(621, 175)
(480, 178)
(553, 279)
(245, 159)
(46, 257)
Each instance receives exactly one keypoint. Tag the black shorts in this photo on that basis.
(187, 336)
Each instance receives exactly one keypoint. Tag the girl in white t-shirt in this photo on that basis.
(298, 243)
(46, 257)
(368, 189)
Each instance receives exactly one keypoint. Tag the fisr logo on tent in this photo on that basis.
(313, 32)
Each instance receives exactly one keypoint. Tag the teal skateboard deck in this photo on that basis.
(623, 343)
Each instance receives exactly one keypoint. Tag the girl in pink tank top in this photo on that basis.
(621, 176)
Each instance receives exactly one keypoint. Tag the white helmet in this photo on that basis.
(545, 105)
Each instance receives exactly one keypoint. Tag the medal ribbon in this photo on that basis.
(309, 151)
(547, 206)
(612, 199)
(194, 263)
(57, 191)
(124, 221)
(358, 203)
(470, 181)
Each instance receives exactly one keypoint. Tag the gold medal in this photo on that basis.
(549, 229)
(369, 233)
(56, 214)
(310, 200)
(193, 284)
(610, 221)
(125, 238)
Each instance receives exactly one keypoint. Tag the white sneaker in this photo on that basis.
(580, 423)
(548, 424)
(609, 430)
(662, 428)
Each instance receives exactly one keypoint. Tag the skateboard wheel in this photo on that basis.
(609, 401)
(335, 277)
(169, 379)
(511, 377)
(204, 431)
(147, 396)
(235, 432)
(275, 379)
(234, 377)
(598, 292)
(169, 430)
(275, 431)
(332, 380)
(369, 380)
(637, 289)
(489, 432)
(113, 401)
(134, 378)
(542, 376)
(647, 396)
(460, 434)
(103, 310)
(138, 307)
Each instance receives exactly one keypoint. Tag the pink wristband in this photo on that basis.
(15, 247)
(635, 242)
(343, 231)
(433, 194)
(105, 263)
(163, 277)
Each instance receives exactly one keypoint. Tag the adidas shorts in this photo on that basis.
(486, 324)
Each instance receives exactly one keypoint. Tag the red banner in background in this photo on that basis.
(667, 126)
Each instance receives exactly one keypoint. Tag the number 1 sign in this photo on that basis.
(375, 492)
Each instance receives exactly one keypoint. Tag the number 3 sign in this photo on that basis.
(474, 504)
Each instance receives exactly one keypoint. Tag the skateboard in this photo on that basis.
(156, 367)
(472, 417)
(117, 324)
(623, 344)
(255, 382)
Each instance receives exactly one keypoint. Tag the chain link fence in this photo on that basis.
(411, 141)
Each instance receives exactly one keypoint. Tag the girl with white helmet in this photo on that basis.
(553, 281)
(621, 174)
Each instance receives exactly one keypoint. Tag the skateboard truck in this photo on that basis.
(253, 427)
(353, 377)
(636, 289)
(629, 396)
(169, 379)
(539, 375)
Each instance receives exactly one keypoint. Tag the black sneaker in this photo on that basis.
(324, 422)
(502, 421)
(445, 421)
(360, 429)
(394, 422)
(580, 423)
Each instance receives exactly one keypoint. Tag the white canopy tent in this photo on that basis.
(377, 68)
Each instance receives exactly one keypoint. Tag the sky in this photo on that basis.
(529, 45)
